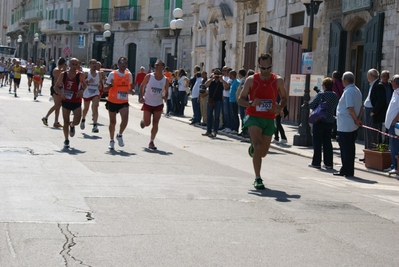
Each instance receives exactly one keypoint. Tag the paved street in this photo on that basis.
(190, 203)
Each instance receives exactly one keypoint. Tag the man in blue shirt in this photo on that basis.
(234, 121)
(349, 112)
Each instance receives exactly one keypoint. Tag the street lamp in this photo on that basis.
(177, 25)
(36, 39)
(304, 136)
(19, 40)
(8, 40)
(106, 35)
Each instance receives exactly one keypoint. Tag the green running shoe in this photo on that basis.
(258, 184)
(251, 151)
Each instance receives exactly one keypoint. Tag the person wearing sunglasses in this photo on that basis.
(259, 96)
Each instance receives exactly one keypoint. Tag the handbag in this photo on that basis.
(319, 113)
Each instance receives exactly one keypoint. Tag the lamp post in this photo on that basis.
(304, 136)
(106, 35)
(8, 40)
(36, 39)
(19, 40)
(177, 25)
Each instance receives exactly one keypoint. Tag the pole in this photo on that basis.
(177, 33)
(304, 136)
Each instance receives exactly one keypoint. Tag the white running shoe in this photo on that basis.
(111, 144)
(274, 141)
(120, 140)
(283, 141)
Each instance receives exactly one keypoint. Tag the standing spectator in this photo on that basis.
(349, 113)
(183, 85)
(374, 109)
(322, 129)
(391, 118)
(168, 74)
(234, 84)
(338, 88)
(226, 100)
(215, 96)
(388, 94)
(203, 97)
(139, 79)
(279, 128)
(242, 75)
(175, 92)
(195, 99)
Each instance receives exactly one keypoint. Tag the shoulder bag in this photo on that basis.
(319, 113)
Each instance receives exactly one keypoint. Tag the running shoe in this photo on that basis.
(120, 140)
(34, 98)
(142, 124)
(111, 144)
(275, 141)
(57, 125)
(258, 184)
(66, 144)
(251, 150)
(71, 131)
(29, 89)
(15, 94)
(44, 120)
(9, 90)
(283, 141)
(82, 124)
(152, 146)
(95, 128)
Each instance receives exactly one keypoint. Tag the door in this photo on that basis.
(250, 56)
(170, 61)
(337, 51)
(131, 58)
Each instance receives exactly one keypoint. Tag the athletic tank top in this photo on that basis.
(17, 72)
(29, 68)
(2, 66)
(267, 92)
(119, 92)
(92, 85)
(154, 90)
(71, 88)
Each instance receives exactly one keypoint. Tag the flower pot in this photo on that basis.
(374, 159)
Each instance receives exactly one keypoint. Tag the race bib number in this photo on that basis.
(68, 94)
(92, 91)
(122, 96)
(266, 105)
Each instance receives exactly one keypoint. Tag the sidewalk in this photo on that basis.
(290, 131)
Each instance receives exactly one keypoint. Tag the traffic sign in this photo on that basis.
(66, 51)
(297, 84)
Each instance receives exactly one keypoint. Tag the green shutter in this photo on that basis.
(69, 14)
(61, 13)
(104, 3)
(12, 18)
(166, 13)
(178, 4)
(132, 2)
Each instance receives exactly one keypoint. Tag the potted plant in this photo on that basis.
(378, 158)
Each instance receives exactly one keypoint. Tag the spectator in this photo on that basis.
(234, 84)
(203, 97)
(195, 99)
(175, 92)
(226, 100)
(183, 85)
(388, 94)
(139, 79)
(279, 128)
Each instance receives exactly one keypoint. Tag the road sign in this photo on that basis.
(66, 51)
(297, 84)
(81, 41)
(307, 63)
(43, 46)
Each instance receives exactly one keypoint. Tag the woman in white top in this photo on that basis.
(183, 86)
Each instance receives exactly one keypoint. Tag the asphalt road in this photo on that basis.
(191, 203)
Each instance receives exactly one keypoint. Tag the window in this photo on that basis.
(297, 19)
(252, 28)
(169, 6)
(61, 13)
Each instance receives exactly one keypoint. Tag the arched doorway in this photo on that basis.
(356, 52)
(131, 58)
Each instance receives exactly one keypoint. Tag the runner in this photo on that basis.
(37, 78)
(2, 71)
(17, 70)
(6, 71)
(29, 72)
(156, 90)
(71, 97)
(92, 94)
(119, 84)
(43, 67)
(56, 97)
(11, 66)
(262, 90)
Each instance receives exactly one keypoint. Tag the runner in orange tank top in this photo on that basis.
(259, 96)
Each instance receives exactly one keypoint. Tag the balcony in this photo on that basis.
(126, 16)
(34, 15)
(98, 16)
(58, 26)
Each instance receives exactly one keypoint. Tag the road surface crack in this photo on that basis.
(66, 248)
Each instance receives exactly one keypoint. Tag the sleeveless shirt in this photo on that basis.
(119, 92)
(71, 88)
(92, 87)
(154, 90)
(267, 92)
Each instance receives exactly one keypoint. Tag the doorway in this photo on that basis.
(357, 62)
(131, 58)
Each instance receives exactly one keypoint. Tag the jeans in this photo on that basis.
(347, 147)
(175, 102)
(394, 147)
(371, 138)
(242, 116)
(322, 138)
(279, 129)
(168, 106)
(196, 110)
(226, 112)
(203, 106)
(234, 121)
(213, 114)
(181, 104)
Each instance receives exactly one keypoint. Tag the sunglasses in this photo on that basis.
(265, 68)
(122, 62)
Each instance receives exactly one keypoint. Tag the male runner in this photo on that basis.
(119, 84)
(56, 97)
(73, 84)
(2, 71)
(92, 94)
(29, 72)
(17, 70)
(262, 90)
(37, 78)
(156, 90)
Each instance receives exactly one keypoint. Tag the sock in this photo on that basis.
(152, 140)
(257, 177)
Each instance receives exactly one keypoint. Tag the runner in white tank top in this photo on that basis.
(92, 85)
(154, 91)
(29, 72)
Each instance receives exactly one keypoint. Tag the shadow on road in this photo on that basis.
(160, 152)
(121, 153)
(93, 137)
(71, 151)
(360, 180)
(280, 196)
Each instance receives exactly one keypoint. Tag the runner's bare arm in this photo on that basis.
(142, 86)
(278, 107)
(58, 84)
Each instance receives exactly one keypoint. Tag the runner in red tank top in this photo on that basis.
(259, 96)
(71, 95)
